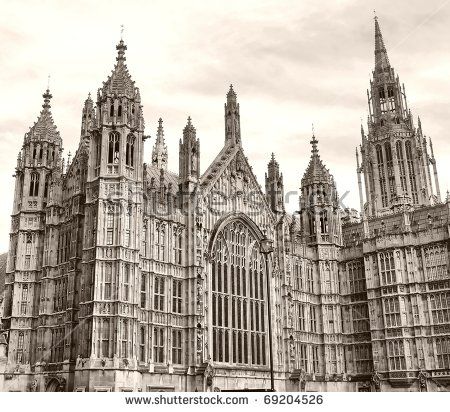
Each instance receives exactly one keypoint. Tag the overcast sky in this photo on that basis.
(292, 64)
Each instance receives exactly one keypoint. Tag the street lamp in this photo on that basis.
(266, 248)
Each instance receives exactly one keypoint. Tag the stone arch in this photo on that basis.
(55, 384)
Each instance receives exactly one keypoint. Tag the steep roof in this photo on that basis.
(316, 172)
(120, 82)
(44, 128)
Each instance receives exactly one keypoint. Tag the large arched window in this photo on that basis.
(238, 297)
(401, 165)
(390, 169)
(382, 175)
(411, 171)
(34, 184)
(129, 154)
(113, 147)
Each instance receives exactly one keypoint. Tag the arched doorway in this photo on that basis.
(55, 384)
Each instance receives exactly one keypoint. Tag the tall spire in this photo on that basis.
(159, 154)
(381, 57)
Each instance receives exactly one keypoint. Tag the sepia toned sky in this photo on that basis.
(292, 63)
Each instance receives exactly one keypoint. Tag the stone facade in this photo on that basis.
(123, 276)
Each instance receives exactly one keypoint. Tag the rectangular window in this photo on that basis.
(387, 268)
(143, 291)
(310, 279)
(392, 312)
(142, 344)
(158, 345)
(315, 358)
(396, 354)
(105, 339)
(158, 301)
(108, 280)
(177, 296)
(302, 317)
(176, 346)
(440, 308)
(313, 319)
(144, 240)
(126, 283)
(127, 227)
(443, 352)
(304, 357)
(159, 242)
(178, 249)
(125, 334)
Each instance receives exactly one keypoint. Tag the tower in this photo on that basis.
(319, 202)
(159, 153)
(232, 119)
(395, 159)
(38, 164)
(321, 230)
(113, 219)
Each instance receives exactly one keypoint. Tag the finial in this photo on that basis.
(312, 128)
(314, 142)
(121, 31)
(47, 96)
(121, 47)
(189, 127)
(231, 93)
(273, 157)
(48, 82)
(375, 14)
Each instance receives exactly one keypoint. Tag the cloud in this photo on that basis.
(293, 63)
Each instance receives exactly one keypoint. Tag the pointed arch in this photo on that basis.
(114, 147)
(238, 295)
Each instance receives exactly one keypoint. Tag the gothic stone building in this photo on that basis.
(124, 276)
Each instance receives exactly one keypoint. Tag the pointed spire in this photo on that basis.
(381, 57)
(431, 147)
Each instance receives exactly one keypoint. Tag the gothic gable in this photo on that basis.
(230, 184)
